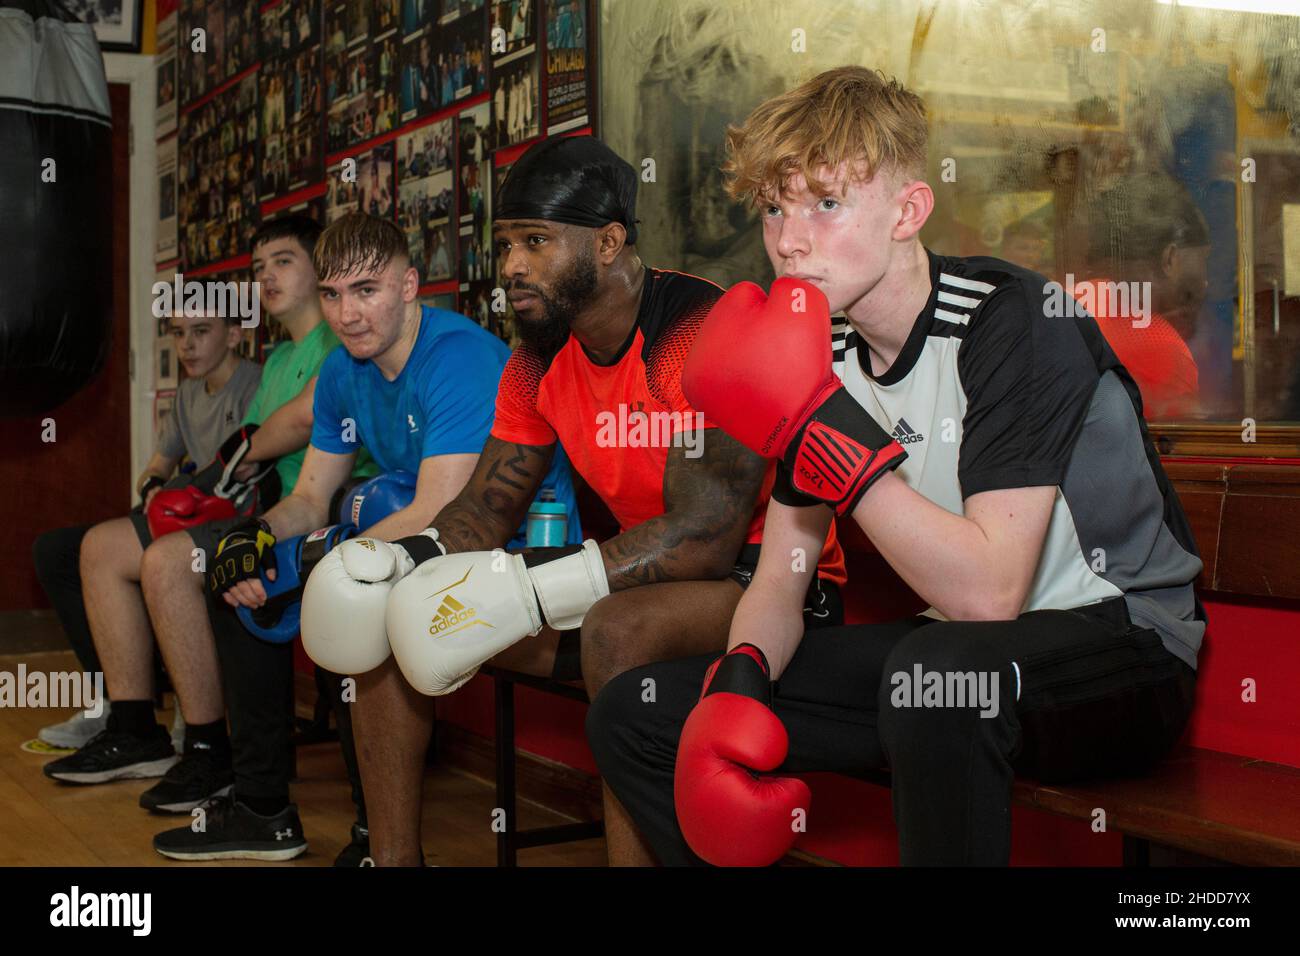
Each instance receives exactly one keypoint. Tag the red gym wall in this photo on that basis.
(84, 475)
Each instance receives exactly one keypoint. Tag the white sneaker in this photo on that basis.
(76, 731)
(178, 730)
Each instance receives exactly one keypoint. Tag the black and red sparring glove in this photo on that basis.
(150, 483)
(760, 368)
(213, 492)
(729, 815)
(230, 456)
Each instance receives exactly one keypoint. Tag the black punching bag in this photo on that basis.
(56, 278)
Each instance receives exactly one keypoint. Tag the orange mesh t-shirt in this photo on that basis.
(617, 422)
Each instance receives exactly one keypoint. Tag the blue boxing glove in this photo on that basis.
(277, 620)
(374, 500)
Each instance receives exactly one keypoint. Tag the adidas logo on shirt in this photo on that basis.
(904, 434)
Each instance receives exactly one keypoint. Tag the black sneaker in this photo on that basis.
(199, 776)
(116, 755)
(231, 831)
(356, 853)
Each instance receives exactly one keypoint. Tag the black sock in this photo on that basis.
(207, 737)
(263, 806)
(134, 717)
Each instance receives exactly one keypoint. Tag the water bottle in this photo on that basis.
(548, 521)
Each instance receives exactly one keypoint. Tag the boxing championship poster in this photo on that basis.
(567, 93)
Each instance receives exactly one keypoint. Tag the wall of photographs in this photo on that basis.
(408, 109)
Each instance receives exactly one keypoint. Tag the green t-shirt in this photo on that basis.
(289, 366)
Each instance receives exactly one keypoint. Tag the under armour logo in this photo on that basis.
(284, 834)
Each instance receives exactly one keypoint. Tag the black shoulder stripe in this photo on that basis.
(668, 298)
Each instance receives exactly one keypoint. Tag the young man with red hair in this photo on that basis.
(995, 455)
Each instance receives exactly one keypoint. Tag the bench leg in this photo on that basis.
(1137, 852)
(504, 692)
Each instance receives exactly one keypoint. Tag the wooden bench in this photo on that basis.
(511, 840)
(1216, 805)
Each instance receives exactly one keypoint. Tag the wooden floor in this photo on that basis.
(44, 823)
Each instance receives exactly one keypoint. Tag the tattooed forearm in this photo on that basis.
(492, 504)
(461, 527)
(514, 471)
(708, 501)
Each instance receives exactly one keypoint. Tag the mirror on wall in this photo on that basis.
(1115, 146)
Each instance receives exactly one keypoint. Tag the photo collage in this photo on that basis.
(515, 86)
(425, 198)
(474, 202)
(227, 39)
(362, 44)
(443, 55)
(217, 188)
(290, 97)
(363, 182)
(360, 94)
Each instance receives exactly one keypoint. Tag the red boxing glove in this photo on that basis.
(761, 369)
(175, 509)
(729, 815)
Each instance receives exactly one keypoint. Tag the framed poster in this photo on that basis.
(567, 63)
(443, 300)
(165, 102)
(163, 403)
(116, 22)
(166, 366)
(165, 240)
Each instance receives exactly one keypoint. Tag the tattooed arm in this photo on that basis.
(708, 502)
(494, 501)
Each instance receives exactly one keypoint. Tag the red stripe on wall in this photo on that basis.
(304, 194)
(506, 156)
(226, 265)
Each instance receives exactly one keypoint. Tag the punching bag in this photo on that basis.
(56, 292)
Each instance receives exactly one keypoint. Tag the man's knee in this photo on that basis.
(608, 637)
(95, 549)
(111, 547)
(939, 679)
(167, 560)
(944, 646)
(384, 689)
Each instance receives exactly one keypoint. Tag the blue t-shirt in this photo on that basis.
(441, 403)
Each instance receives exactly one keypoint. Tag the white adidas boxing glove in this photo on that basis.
(344, 600)
(455, 613)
